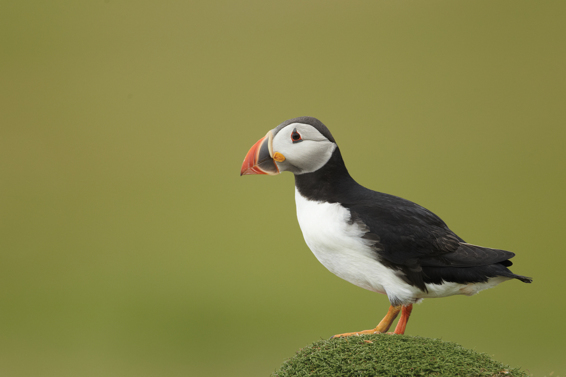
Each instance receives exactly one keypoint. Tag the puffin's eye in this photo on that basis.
(296, 137)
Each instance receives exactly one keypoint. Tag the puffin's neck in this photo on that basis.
(327, 184)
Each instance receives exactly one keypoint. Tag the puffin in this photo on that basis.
(380, 242)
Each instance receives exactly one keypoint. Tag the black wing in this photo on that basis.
(413, 240)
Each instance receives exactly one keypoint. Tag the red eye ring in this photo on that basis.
(296, 137)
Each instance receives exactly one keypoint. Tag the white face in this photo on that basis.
(304, 148)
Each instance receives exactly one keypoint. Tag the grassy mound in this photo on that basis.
(391, 355)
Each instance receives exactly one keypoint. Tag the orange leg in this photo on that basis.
(405, 314)
(385, 323)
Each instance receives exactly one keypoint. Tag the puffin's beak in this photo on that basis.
(259, 160)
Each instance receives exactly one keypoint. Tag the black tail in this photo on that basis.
(524, 279)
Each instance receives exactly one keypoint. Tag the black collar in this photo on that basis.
(332, 183)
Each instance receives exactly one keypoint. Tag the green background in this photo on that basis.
(130, 245)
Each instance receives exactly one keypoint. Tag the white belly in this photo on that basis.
(339, 247)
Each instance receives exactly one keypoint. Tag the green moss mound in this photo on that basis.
(391, 355)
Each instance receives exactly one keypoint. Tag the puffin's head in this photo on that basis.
(299, 145)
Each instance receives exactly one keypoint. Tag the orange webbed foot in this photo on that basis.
(385, 323)
(357, 333)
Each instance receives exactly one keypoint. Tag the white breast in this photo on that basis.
(339, 247)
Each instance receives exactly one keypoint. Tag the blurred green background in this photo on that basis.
(130, 245)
